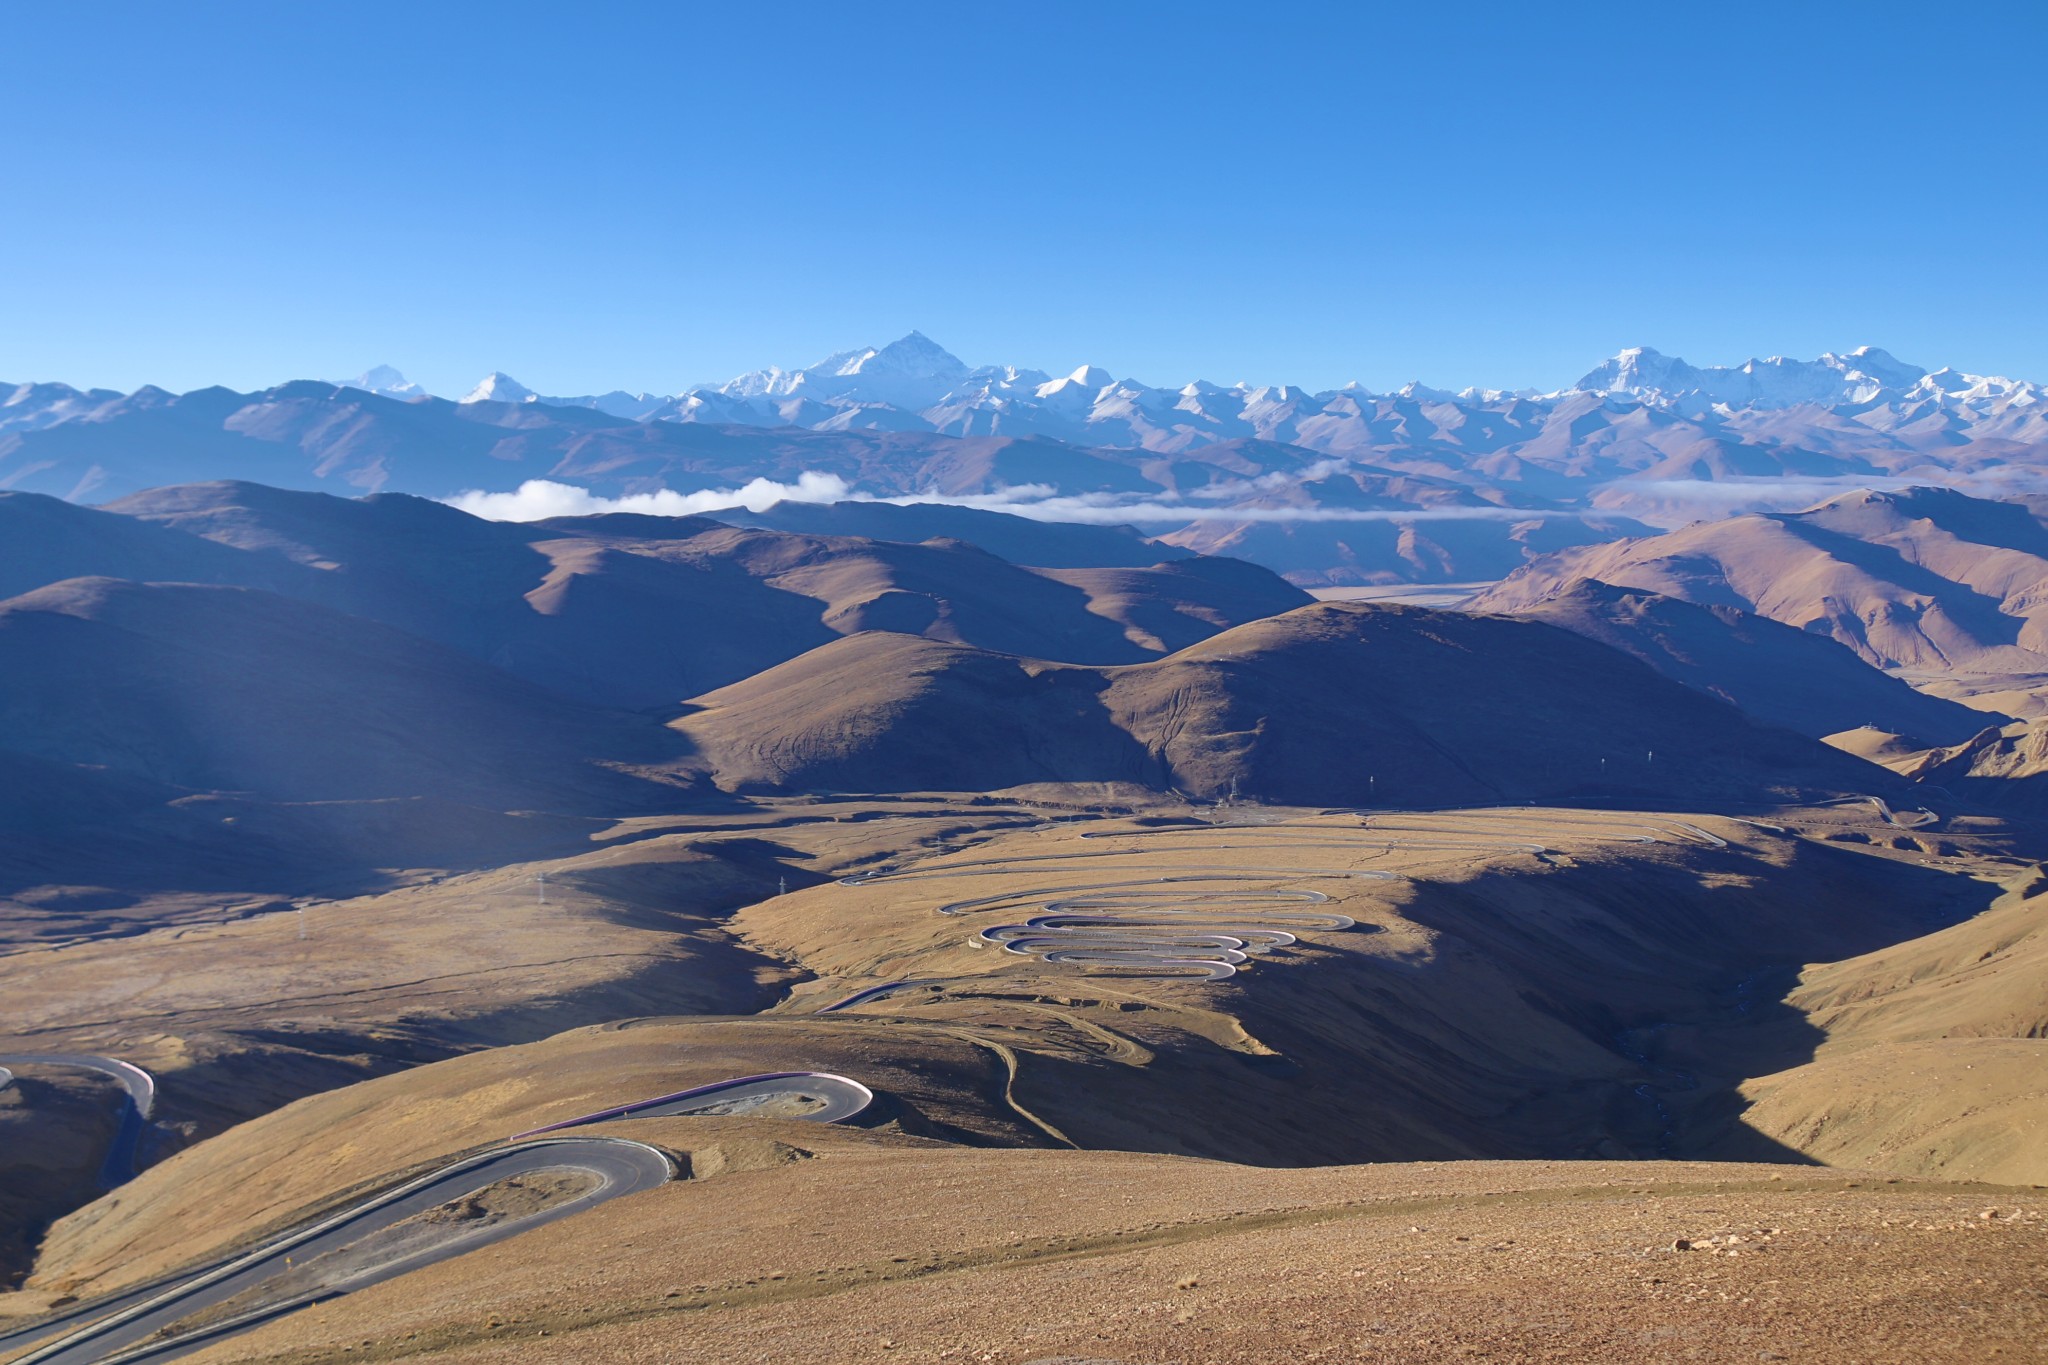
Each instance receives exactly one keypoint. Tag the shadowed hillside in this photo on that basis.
(1333, 703)
(642, 611)
(1777, 674)
(233, 689)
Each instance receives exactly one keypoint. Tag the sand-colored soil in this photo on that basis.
(874, 1254)
(1815, 985)
(1527, 983)
(233, 1188)
(1935, 1056)
(241, 1016)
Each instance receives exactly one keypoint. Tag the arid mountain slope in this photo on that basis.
(1501, 993)
(1333, 703)
(2005, 768)
(1176, 604)
(953, 591)
(1779, 675)
(1926, 579)
(45, 540)
(231, 689)
(643, 611)
(887, 712)
(854, 1246)
(1935, 1055)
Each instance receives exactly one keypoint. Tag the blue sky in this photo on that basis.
(644, 196)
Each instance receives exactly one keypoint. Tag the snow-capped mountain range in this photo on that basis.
(914, 384)
(1340, 486)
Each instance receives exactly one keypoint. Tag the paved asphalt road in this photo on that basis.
(1207, 933)
(620, 1167)
(1910, 820)
(1210, 933)
(838, 1098)
(126, 1153)
(861, 997)
(121, 1323)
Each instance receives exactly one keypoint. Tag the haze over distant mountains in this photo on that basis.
(1340, 487)
(914, 384)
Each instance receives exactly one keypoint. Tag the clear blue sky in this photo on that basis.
(643, 196)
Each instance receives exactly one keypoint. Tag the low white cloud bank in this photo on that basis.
(540, 499)
(1657, 501)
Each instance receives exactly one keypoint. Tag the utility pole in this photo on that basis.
(782, 886)
(302, 919)
(540, 884)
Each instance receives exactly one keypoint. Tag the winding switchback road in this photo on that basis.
(837, 1098)
(1211, 932)
(1196, 935)
(1118, 928)
(127, 1326)
(1909, 820)
(617, 1166)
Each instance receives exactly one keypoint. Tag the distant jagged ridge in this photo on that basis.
(914, 384)
(1335, 488)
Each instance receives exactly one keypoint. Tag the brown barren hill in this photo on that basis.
(1935, 1057)
(1923, 578)
(642, 611)
(1168, 607)
(874, 1252)
(215, 688)
(881, 711)
(45, 540)
(1336, 703)
(1778, 674)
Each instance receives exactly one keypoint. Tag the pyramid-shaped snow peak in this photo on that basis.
(915, 356)
(499, 387)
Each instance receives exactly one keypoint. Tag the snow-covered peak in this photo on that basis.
(385, 380)
(1879, 364)
(911, 372)
(916, 356)
(1990, 393)
(1012, 376)
(1637, 370)
(1086, 379)
(499, 387)
(1865, 375)
(752, 384)
(914, 384)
